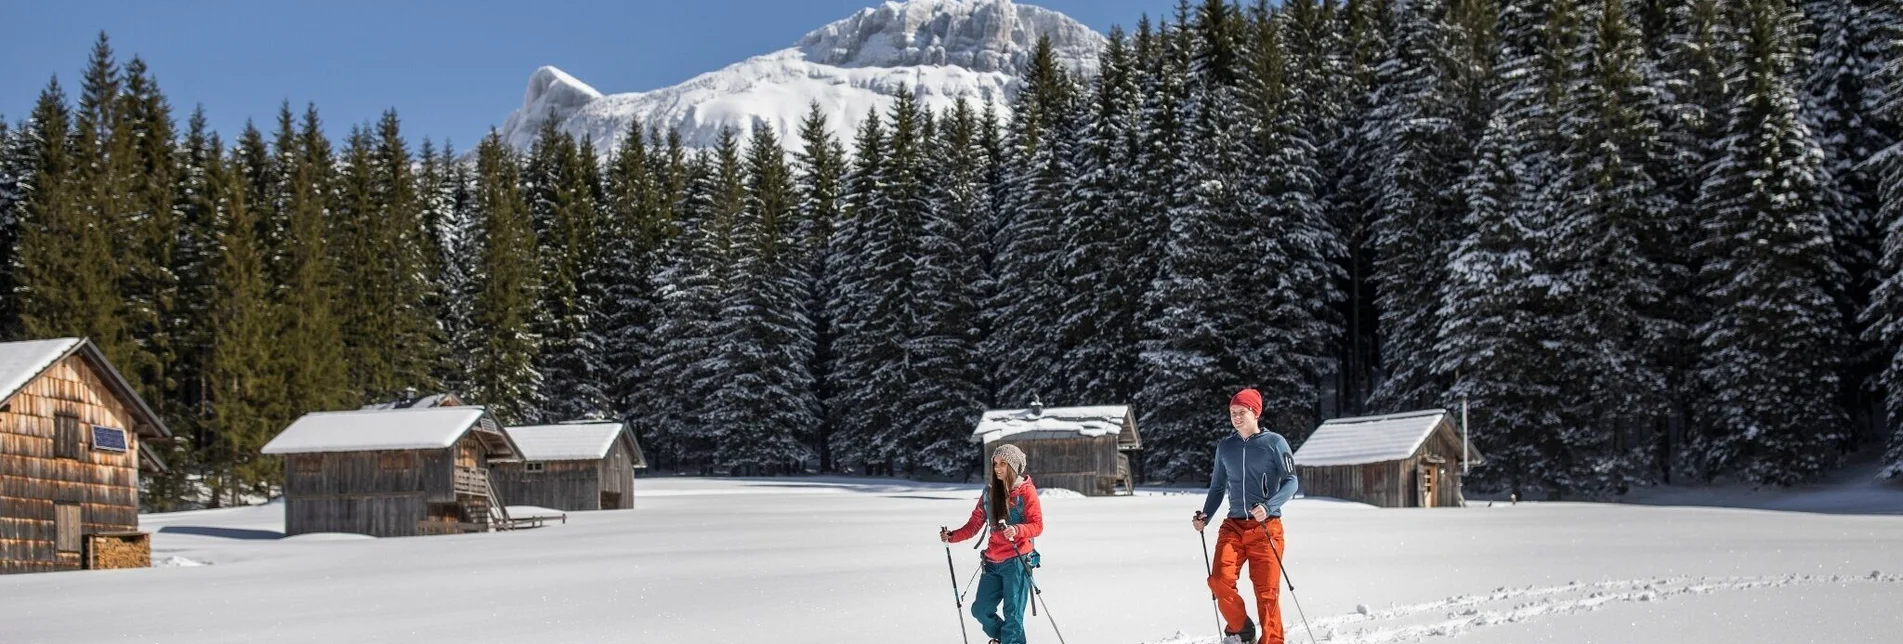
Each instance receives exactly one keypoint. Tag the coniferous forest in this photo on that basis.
(1645, 241)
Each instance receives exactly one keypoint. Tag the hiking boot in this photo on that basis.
(1248, 631)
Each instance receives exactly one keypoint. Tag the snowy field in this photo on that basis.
(855, 561)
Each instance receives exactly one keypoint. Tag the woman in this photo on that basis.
(1009, 508)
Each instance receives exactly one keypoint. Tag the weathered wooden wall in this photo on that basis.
(35, 478)
(1087, 465)
(562, 485)
(617, 475)
(381, 494)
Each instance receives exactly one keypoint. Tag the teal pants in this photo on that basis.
(1002, 583)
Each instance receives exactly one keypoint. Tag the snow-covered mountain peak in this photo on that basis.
(942, 50)
(980, 35)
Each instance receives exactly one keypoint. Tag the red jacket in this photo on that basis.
(1025, 513)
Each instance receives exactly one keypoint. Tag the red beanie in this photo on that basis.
(1248, 398)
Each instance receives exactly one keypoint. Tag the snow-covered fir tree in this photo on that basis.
(637, 224)
(1294, 251)
(1414, 127)
(1349, 163)
(687, 364)
(1026, 343)
(560, 188)
(1774, 343)
(1885, 315)
(1105, 267)
(1203, 302)
(819, 182)
(1844, 106)
(764, 337)
(945, 345)
(504, 290)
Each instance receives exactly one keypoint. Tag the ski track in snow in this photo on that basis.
(1456, 615)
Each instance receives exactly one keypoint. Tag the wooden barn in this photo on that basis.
(572, 466)
(1409, 460)
(393, 473)
(1083, 449)
(71, 429)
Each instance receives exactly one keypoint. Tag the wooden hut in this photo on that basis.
(1409, 459)
(1084, 449)
(71, 431)
(572, 466)
(393, 473)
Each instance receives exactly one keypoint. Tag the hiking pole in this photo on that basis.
(1208, 571)
(960, 597)
(1286, 580)
(1037, 595)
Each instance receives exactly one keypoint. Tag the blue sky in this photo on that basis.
(451, 69)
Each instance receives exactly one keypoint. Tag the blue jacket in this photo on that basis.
(1256, 470)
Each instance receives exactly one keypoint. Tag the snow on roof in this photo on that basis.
(566, 442)
(372, 430)
(1050, 423)
(20, 362)
(432, 400)
(1369, 439)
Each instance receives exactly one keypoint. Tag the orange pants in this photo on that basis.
(1242, 540)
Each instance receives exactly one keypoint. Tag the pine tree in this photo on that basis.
(820, 174)
(1774, 342)
(310, 331)
(637, 226)
(16, 162)
(1366, 31)
(893, 241)
(1103, 267)
(196, 257)
(102, 174)
(1417, 129)
(1502, 344)
(505, 285)
(150, 286)
(946, 302)
(401, 236)
(764, 335)
(1692, 90)
(1193, 356)
(1024, 346)
(686, 367)
(66, 283)
(1295, 251)
(1885, 315)
(442, 236)
(562, 205)
(859, 308)
(243, 390)
(1612, 240)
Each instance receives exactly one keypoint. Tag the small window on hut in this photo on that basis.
(68, 442)
(66, 524)
(533, 466)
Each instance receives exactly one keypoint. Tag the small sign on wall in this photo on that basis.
(110, 439)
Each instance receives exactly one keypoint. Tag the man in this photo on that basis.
(1255, 471)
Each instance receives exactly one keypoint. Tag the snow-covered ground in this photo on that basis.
(855, 561)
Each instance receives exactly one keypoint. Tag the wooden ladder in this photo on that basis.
(498, 513)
